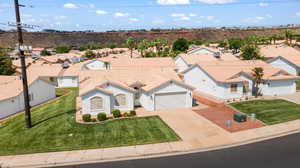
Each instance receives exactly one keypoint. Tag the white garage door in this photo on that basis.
(174, 100)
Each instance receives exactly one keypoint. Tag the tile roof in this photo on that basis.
(225, 71)
(125, 78)
(11, 86)
(194, 58)
(272, 51)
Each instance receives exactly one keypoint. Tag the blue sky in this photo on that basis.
(102, 15)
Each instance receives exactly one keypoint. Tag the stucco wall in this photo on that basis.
(42, 92)
(278, 87)
(96, 65)
(285, 65)
(180, 64)
(67, 81)
(86, 103)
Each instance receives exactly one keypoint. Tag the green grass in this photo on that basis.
(54, 123)
(270, 111)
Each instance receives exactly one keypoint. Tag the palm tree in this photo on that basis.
(131, 44)
(289, 34)
(257, 74)
(142, 46)
(159, 44)
(106, 64)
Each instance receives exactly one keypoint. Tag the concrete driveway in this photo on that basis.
(195, 130)
(292, 97)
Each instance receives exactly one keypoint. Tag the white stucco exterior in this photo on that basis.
(201, 51)
(96, 65)
(284, 64)
(108, 100)
(181, 65)
(39, 90)
(67, 81)
(203, 82)
(86, 102)
(278, 87)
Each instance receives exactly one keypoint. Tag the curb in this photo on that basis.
(164, 154)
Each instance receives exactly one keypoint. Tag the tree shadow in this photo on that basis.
(54, 116)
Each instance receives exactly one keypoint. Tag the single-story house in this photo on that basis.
(96, 65)
(11, 95)
(283, 57)
(234, 79)
(104, 91)
(184, 61)
(202, 50)
(290, 64)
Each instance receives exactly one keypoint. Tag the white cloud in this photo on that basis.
(101, 12)
(27, 15)
(133, 19)
(87, 6)
(256, 19)
(173, 2)
(210, 18)
(298, 14)
(177, 14)
(70, 6)
(216, 1)
(158, 21)
(60, 17)
(119, 14)
(263, 4)
(180, 16)
(192, 15)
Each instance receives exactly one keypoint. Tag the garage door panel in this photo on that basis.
(174, 100)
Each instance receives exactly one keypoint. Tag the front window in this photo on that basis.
(233, 87)
(96, 103)
(120, 100)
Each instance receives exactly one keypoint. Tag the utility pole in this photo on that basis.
(23, 66)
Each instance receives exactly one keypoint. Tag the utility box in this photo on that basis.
(239, 117)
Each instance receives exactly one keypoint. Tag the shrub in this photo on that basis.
(117, 113)
(102, 116)
(181, 45)
(94, 120)
(126, 114)
(132, 113)
(86, 117)
(44, 52)
(62, 49)
(90, 54)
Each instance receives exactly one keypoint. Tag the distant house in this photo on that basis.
(11, 95)
(184, 61)
(127, 89)
(201, 50)
(283, 57)
(96, 65)
(233, 79)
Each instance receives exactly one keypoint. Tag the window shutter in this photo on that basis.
(96, 103)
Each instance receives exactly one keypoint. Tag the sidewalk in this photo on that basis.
(212, 138)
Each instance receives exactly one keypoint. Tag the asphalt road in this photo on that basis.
(283, 152)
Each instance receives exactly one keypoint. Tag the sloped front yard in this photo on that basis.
(270, 111)
(55, 129)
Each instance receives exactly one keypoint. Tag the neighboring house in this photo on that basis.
(11, 95)
(283, 57)
(202, 50)
(184, 61)
(36, 52)
(104, 91)
(290, 64)
(97, 65)
(233, 79)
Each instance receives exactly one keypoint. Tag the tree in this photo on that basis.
(90, 54)
(223, 43)
(199, 42)
(250, 52)
(131, 44)
(181, 45)
(257, 74)
(44, 52)
(6, 66)
(159, 44)
(289, 34)
(235, 44)
(62, 49)
(142, 46)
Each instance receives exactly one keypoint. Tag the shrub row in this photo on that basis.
(103, 116)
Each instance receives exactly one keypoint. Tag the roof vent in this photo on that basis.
(217, 54)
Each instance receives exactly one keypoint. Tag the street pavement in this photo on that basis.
(280, 152)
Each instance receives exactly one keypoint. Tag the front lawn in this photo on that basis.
(55, 129)
(270, 111)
